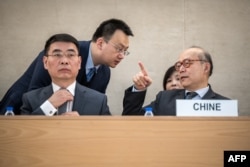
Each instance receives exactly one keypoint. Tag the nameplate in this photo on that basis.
(206, 108)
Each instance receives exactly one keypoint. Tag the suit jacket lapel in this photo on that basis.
(210, 94)
(84, 52)
(79, 102)
(181, 94)
(47, 92)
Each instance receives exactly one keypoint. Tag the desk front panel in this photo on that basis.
(107, 141)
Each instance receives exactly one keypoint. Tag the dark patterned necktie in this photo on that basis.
(62, 108)
(91, 73)
(191, 95)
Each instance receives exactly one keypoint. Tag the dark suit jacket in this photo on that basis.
(164, 104)
(86, 101)
(36, 77)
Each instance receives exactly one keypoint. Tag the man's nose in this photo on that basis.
(182, 68)
(64, 60)
(121, 55)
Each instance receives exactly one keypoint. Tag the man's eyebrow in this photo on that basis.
(56, 50)
(71, 50)
(123, 46)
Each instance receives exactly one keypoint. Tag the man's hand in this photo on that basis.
(141, 79)
(60, 97)
(71, 113)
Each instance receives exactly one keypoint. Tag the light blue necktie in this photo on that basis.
(91, 73)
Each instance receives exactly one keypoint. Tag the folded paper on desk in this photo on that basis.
(206, 107)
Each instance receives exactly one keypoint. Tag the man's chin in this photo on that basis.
(65, 77)
(112, 65)
(185, 86)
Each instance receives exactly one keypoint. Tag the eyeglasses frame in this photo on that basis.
(117, 48)
(185, 64)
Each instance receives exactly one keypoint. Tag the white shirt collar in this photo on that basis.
(201, 92)
(70, 88)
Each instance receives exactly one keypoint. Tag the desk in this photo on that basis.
(116, 141)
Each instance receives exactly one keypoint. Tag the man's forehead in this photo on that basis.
(120, 38)
(190, 53)
(62, 46)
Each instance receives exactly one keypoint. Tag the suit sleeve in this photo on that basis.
(27, 109)
(40, 77)
(132, 102)
(105, 108)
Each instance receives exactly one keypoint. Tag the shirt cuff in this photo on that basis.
(136, 90)
(48, 108)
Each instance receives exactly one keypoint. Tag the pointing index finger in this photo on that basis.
(143, 70)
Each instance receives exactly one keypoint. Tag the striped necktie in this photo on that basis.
(191, 95)
(62, 108)
(65, 107)
(91, 73)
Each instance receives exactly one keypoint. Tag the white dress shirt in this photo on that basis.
(49, 109)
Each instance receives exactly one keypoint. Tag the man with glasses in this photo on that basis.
(195, 66)
(108, 47)
(64, 95)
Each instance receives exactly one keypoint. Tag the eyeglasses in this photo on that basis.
(186, 63)
(118, 49)
(59, 55)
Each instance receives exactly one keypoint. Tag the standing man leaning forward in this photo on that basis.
(108, 47)
(62, 60)
(195, 66)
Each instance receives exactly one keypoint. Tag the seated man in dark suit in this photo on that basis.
(195, 66)
(107, 48)
(64, 95)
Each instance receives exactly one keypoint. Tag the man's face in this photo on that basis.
(114, 50)
(62, 62)
(195, 76)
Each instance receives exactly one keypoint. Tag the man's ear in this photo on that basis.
(99, 42)
(207, 67)
(80, 62)
(45, 61)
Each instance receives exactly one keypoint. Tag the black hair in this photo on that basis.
(107, 28)
(60, 38)
(167, 75)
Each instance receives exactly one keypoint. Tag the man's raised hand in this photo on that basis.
(141, 79)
